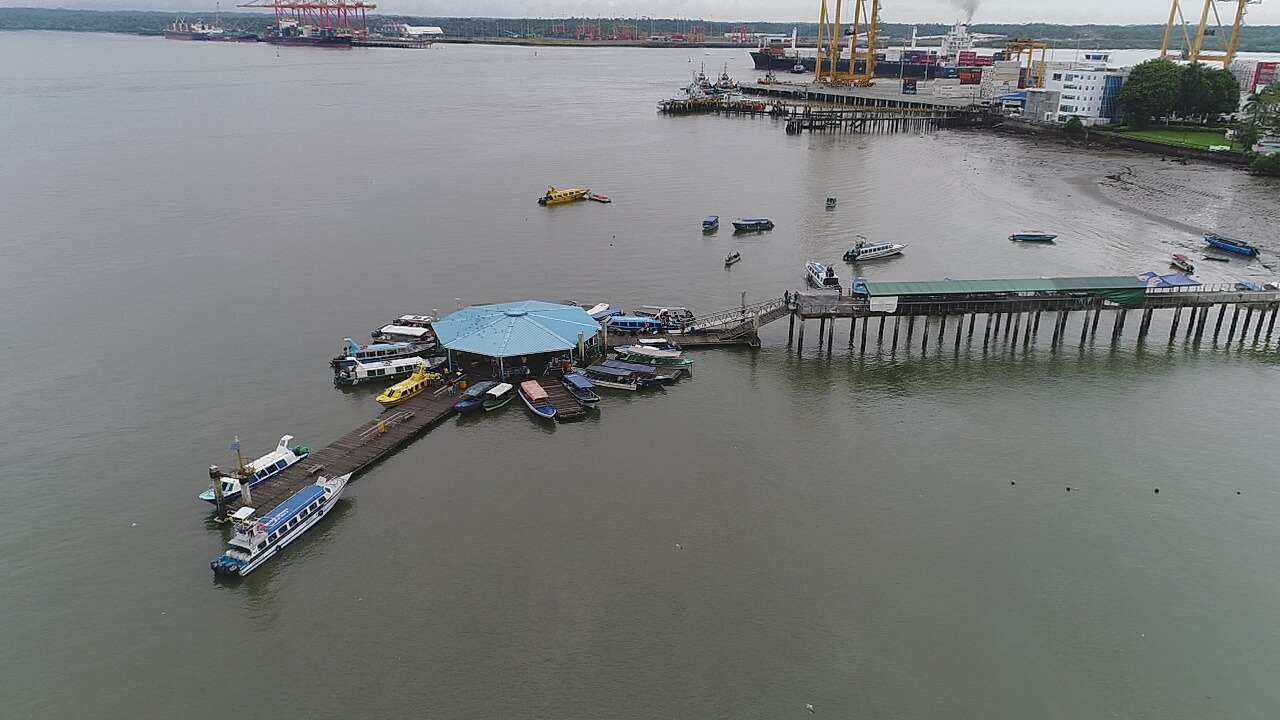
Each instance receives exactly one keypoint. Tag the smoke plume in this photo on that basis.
(969, 7)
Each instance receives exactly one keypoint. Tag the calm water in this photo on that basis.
(189, 231)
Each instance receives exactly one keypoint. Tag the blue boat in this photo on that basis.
(536, 399)
(635, 325)
(1039, 237)
(1231, 245)
(582, 389)
(258, 540)
(711, 224)
(473, 397)
(752, 224)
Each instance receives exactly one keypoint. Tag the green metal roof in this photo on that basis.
(1005, 287)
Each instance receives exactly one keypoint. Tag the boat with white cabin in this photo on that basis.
(872, 251)
(823, 276)
(353, 352)
(359, 373)
(498, 395)
(256, 472)
(407, 328)
(258, 540)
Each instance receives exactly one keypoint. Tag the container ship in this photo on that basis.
(955, 58)
(183, 30)
(291, 32)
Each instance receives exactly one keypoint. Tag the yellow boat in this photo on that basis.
(557, 197)
(400, 392)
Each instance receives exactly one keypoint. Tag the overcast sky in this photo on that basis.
(906, 11)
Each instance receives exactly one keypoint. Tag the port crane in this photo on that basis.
(343, 16)
(1193, 48)
(866, 22)
(1015, 50)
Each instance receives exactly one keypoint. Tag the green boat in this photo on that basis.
(653, 356)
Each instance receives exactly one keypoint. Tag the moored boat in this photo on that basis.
(612, 377)
(360, 373)
(408, 388)
(1232, 245)
(535, 398)
(559, 197)
(872, 251)
(473, 397)
(1215, 259)
(711, 224)
(659, 343)
(599, 198)
(256, 472)
(1183, 263)
(257, 540)
(672, 318)
(752, 224)
(581, 388)
(732, 258)
(653, 350)
(407, 328)
(634, 325)
(353, 353)
(822, 276)
(498, 395)
(1033, 237)
(649, 356)
(646, 375)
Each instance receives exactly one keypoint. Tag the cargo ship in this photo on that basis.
(198, 30)
(291, 32)
(955, 58)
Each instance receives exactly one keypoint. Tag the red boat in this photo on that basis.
(1183, 263)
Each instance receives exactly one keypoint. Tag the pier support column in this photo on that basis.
(1008, 323)
(1084, 327)
(1145, 325)
(1017, 323)
(942, 330)
(1272, 322)
(853, 324)
(1118, 327)
(1203, 322)
(1217, 327)
(1257, 333)
(986, 336)
(911, 326)
(1093, 327)
(800, 341)
(831, 332)
(1173, 329)
(959, 329)
(1248, 315)
(865, 322)
(973, 318)
(880, 335)
(1035, 326)
(219, 498)
(1231, 331)
(791, 329)
(822, 330)
(897, 319)
(924, 330)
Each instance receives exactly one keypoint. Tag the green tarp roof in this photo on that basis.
(1099, 284)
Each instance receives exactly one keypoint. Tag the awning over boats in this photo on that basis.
(1120, 289)
(1155, 280)
(515, 329)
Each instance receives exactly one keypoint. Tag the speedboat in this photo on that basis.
(711, 224)
(257, 540)
(1239, 247)
(473, 397)
(823, 276)
(258, 471)
(357, 372)
(581, 388)
(1183, 263)
(498, 395)
(558, 197)
(752, 224)
(535, 397)
(872, 251)
(353, 353)
(732, 258)
(599, 198)
(408, 388)
(1033, 236)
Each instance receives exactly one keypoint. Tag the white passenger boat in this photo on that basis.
(258, 540)
(353, 353)
(872, 251)
(650, 350)
(823, 276)
(258, 471)
(407, 328)
(358, 373)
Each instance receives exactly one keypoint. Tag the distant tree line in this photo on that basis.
(1261, 38)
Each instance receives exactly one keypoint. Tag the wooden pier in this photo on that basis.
(567, 407)
(365, 446)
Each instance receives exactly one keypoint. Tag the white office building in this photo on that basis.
(1085, 90)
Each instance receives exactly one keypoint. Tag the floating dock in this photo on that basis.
(567, 407)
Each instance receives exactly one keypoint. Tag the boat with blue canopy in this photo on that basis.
(711, 224)
(635, 325)
(257, 540)
(1231, 245)
(581, 388)
(473, 397)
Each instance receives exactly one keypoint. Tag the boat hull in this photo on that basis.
(495, 404)
(1032, 238)
(328, 42)
(546, 411)
(1245, 250)
(298, 531)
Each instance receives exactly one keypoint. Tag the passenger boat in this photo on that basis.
(407, 328)
(872, 251)
(599, 198)
(258, 471)
(1232, 245)
(1183, 263)
(658, 343)
(357, 373)
(581, 388)
(652, 350)
(732, 258)
(634, 325)
(257, 540)
(498, 395)
(536, 399)
(646, 375)
(752, 224)
(473, 396)
(672, 318)
(619, 378)
(352, 353)
(711, 224)
(649, 356)
(402, 391)
(602, 311)
(1034, 236)
(823, 276)
(558, 197)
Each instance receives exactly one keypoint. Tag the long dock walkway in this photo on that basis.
(365, 446)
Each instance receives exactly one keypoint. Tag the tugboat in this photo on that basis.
(258, 540)
(823, 276)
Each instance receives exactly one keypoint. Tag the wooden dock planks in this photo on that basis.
(567, 407)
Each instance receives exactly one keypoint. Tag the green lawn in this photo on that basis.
(1180, 137)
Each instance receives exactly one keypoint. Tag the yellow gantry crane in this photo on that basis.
(866, 21)
(1192, 48)
(1016, 49)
